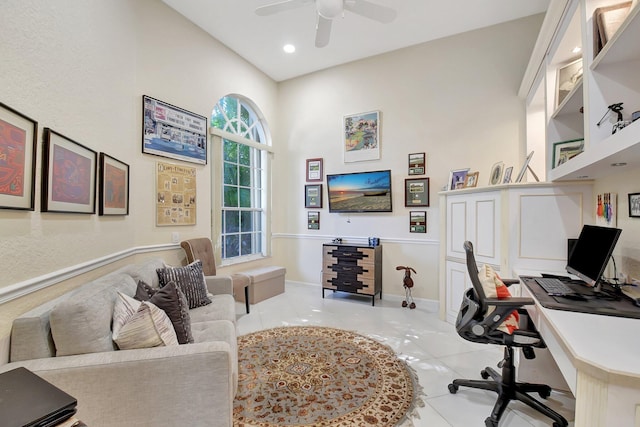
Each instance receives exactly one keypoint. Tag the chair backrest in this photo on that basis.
(472, 269)
(202, 249)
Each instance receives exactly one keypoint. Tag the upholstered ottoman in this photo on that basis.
(266, 282)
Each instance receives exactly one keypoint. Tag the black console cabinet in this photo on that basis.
(352, 268)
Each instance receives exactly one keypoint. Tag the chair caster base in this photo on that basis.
(404, 303)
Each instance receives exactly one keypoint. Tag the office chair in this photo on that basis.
(202, 249)
(475, 324)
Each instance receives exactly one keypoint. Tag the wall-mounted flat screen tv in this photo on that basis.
(360, 192)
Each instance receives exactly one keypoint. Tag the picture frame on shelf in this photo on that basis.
(507, 175)
(113, 193)
(19, 136)
(417, 163)
(313, 196)
(416, 192)
(471, 180)
(417, 221)
(456, 178)
(524, 168)
(606, 22)
(564, 151)
(313, 220)
(568, 77)
(62, 158)
(634, 205)
(361, 136)
(495, 177)
(314, 170)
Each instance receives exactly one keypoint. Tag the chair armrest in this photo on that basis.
(218, 285)
(509, 282)
(152, 386)
(514, 302)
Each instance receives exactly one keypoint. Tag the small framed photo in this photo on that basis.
(314, 170)
(418, 222)
(313, 196)
(313, 220)
(566, 150)
(68, 175)
(416, 192)
(496, 173)
(113, 194)
(524, 168)
(634, 205)
(417, 162)
(507, 175)
(457, 177)
(569, 75)
(471, 180)
(18, 141)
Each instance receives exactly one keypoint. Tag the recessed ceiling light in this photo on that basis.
(289, 48)
(576, 49)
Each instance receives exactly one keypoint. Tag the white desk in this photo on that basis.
(599, 357)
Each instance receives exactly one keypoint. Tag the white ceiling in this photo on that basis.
(259, 39)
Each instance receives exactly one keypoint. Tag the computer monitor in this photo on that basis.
(591, 253)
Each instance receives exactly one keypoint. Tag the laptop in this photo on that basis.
(26, 400)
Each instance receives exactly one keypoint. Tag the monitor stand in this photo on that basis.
(614, 294)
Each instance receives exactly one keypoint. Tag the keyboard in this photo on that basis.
(554, 286)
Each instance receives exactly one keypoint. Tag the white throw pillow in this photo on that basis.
(139, 324)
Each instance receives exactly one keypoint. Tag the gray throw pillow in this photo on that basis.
(189, 279)
(174, 303)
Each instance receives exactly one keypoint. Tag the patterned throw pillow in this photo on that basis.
(140, 324)
(495, 288)
(174, 303)
(189, 279)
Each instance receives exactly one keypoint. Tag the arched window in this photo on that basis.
(244, 178)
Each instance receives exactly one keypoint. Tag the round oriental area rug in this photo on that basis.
(316, 376)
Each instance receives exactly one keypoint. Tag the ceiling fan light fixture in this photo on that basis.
(330, 9)
(289, 48)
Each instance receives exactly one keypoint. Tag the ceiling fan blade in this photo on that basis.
(280, 6)
(323, 31)
(370, 10)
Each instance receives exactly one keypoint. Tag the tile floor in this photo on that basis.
(430, 346)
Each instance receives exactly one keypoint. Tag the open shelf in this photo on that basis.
(572, 103)
(624, 45)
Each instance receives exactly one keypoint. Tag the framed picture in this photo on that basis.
(416, 192)
(18, 141)
(361, 137)
(507, 175)
(113, 193)
(457, 177)
(495, 177)
(173, 132)
(524, 168)
(566, 150)
(568, 77)
(471, 180)
(314, 170)
(68, 175)
(417, 222)
(175, 194)
(313, 196)
(634, 205)
(606, 212)
(417, 162)
(313, 220)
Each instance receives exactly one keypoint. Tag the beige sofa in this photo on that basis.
(188, 384)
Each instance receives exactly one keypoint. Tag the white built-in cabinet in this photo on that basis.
(610, 76)
(512, 226)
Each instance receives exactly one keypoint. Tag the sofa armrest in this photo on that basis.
(145, 387)
(219, 284)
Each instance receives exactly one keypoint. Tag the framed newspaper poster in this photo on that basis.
(176, 194)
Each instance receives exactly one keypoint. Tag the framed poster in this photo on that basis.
(172, 132)
(176, 194)
(113, 194)
(568, 77)
(69, 171)
(634, 205)
(314, 170)
(416, 192)
(18, 140)
(417, 162)
(361, 136)
(313, 220)
(313, 196)
(418, 222)
(566, 150)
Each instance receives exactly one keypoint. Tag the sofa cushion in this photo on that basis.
(189, 279)
(222, 307)
(170, 299)
(140, 324)
(146, 271)
(81, 323)
(220, 330)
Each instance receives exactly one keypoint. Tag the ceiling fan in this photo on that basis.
(326, 10)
